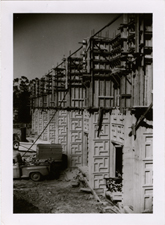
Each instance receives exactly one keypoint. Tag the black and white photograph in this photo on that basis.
(82, 115)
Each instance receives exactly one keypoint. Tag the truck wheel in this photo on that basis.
(16, 145)
(35, 176)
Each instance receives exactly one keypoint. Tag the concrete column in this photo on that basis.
(128, 163)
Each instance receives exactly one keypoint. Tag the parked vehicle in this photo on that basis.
(15, 141)
(48, 161)
(34, 172)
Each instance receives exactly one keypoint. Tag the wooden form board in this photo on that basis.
(120, 68)
(105, 95)
(77, 98)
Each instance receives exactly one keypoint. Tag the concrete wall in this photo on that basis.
(77, 131)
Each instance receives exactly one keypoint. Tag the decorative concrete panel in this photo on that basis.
(101, 148)
(99, 182)
(62, 121)
(148, 172)
(40, 121)
(52, 134)
(76, 114)
(117, 132)
(62, 129)
(101, 164)
(52, 126)
(105, 117)
(100, 151)
(86, 121)
(76, 136)
(76, 124)
(75, 160)
(76, 148)
(148, 175)
(45, 117)
(62, 139)
(104, 132)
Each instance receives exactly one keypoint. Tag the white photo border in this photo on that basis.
(6, 115)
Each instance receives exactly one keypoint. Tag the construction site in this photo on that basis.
(98, 104)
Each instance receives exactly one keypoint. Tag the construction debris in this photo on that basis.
(87, 190)
(75, 183)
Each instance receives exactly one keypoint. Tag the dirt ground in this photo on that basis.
(55, 196)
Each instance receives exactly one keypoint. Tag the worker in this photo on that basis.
(17, 158)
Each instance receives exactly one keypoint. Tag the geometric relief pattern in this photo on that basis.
(117, 132)
(62, 113)
(52, 126)
(117, 117)
(101, 148)
(76, 148)
(117, 126)
(148, 151)
(104, 132)
(105, 118)
(76, 124)
(40, 121)
(148, 199)
(45, 122)
(99, 182)
(45, 133)
(62, 129)
(62, 139)
(45, 137)
(148, 179)
(40, 126)
(76, 114)
(148, 172)
(40, 116)
(36, 121)
(45, 117)
(62, 121)
(52, 136)
(100, 151)
(76, 160)
(101, 165)
(86, 121)
(76, 135)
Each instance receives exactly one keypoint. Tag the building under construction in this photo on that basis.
(98, 104)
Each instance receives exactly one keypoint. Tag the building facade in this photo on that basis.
(98, 104)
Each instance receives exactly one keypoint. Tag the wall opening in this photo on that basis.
(118, 162)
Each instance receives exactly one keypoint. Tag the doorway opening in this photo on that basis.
(119, 162)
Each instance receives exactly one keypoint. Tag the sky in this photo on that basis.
(40, 41)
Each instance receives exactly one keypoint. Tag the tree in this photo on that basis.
(21, 100)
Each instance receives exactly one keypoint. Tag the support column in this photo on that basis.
(128, 163)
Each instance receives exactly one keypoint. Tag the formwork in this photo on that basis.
(98, 104)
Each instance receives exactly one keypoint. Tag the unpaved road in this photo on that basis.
(54, 196)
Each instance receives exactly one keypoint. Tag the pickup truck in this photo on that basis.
(48, 161)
